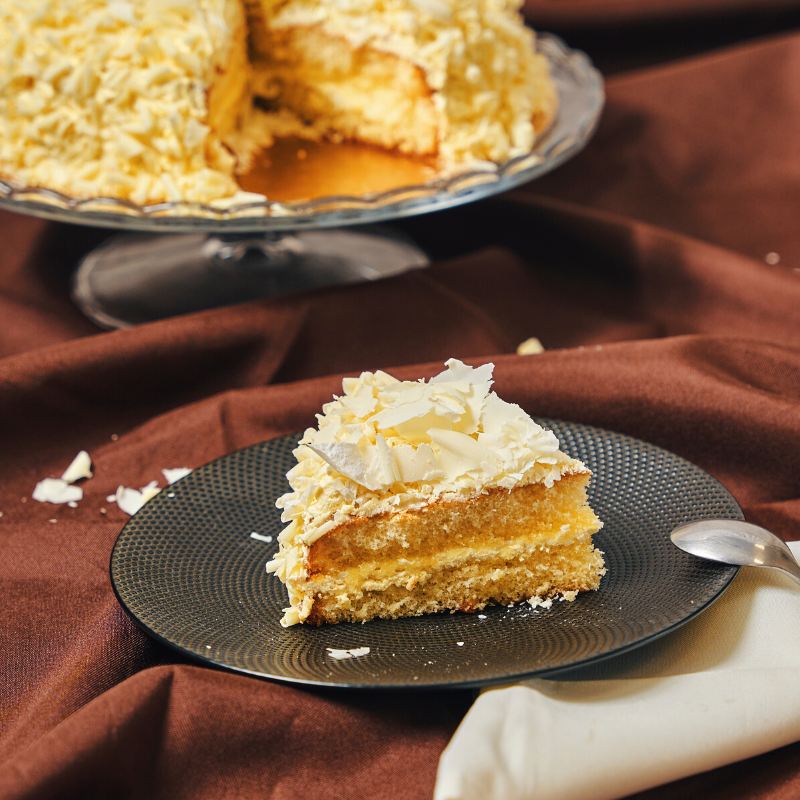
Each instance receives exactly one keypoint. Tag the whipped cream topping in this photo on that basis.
(387, 445)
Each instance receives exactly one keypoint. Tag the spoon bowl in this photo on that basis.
(732, 541)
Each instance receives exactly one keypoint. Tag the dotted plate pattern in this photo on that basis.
(189, 573)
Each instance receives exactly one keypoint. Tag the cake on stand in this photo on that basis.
(176, 258)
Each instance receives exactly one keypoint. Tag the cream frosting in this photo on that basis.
(387, 445)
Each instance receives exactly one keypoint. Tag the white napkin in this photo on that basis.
(721, 688)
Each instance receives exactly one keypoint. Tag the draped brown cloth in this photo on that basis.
(661, 271)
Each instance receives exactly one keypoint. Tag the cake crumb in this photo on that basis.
(482, 616)
(537, 602)
(773, 259)
(72, 504)
(460, 644)
(260, 537)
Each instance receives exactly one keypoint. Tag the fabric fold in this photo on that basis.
(720, 689)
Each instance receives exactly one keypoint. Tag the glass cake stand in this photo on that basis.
(181, 257)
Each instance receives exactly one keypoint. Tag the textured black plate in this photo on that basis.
(187, 570)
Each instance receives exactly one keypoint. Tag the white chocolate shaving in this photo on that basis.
(530, 347)
(340, 655)
(130, 500)
(56, 491)
(81, 467)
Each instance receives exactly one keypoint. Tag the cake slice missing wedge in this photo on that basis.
(415, 497)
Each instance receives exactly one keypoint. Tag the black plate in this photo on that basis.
(187, 570)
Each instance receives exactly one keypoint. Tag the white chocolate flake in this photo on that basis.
(57, 491)
(131, 500)
(530, 347)
(341, 655)
(173, 475)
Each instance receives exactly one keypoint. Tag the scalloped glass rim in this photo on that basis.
(581, 99)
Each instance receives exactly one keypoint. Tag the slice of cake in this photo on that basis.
(168, 100)
(416, 497)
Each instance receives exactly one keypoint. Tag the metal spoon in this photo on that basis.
(732, 541)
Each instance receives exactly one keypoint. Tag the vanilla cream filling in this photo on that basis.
(387, 445)
(377, 575)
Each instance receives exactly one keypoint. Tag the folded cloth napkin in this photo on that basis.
(719, 689)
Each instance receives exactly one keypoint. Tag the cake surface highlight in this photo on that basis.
(415, 497)
(168, 100)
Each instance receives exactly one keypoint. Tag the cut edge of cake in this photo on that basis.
(165, 101)
(489, 563)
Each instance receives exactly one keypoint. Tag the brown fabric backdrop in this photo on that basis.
(641, 267)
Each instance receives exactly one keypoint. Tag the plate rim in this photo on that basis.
(552, 672)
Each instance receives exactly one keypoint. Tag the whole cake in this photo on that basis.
(415, 497)
(154, 100)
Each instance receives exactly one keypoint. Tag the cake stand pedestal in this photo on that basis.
(137, 278)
